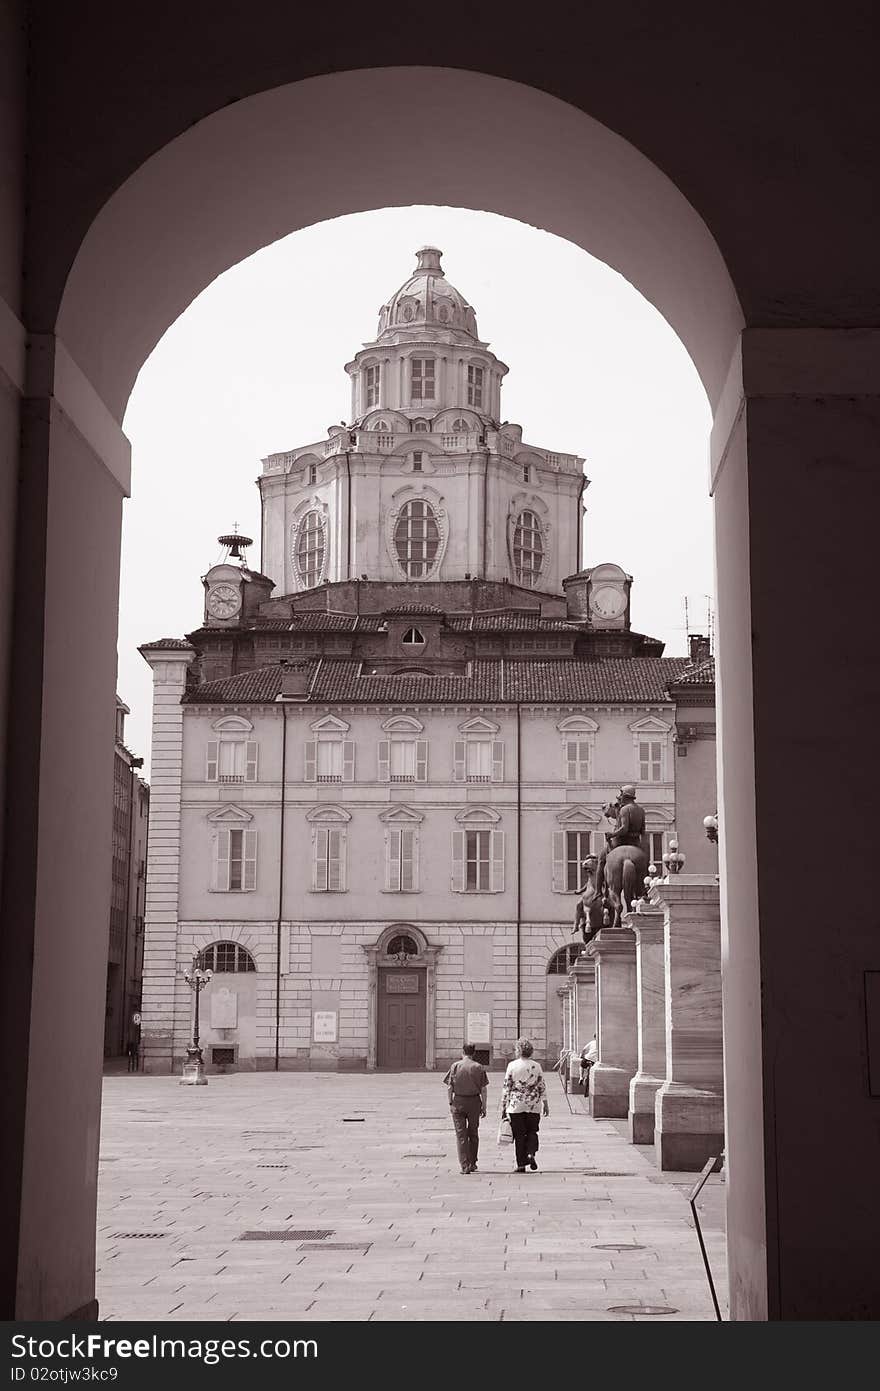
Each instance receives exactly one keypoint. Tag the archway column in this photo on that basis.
(58, 837)
(796, 492)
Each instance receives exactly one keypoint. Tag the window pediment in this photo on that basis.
(578, 724)
(478, 726)
(402, 724)
(328, 815)
(230, 815)
(329, 724)
(578, 816)
(650, 725)
(401, 816)
(232, 724)
(478, 816)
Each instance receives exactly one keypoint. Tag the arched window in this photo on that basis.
(402, 946)
(382, 426)
(413, 638)
(310, 549)
(562, 961)
(420, 426)
(226, 956)
(460, 427)
(528, 549)
(416, 538)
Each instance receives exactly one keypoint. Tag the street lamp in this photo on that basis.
(673, 860)
(193, 1069)
(710, 825)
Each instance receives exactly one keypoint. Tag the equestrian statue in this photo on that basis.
(620, 876)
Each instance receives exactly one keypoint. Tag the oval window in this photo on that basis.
(528, 549)
(416, 538)
(310, 549)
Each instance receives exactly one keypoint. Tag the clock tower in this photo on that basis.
(233, 593)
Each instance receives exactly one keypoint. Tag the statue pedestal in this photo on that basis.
(689, 1107)
(614, 951)
(648, 924)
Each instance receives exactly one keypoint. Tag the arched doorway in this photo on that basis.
(402, 1000)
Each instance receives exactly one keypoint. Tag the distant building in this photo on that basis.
(372, 793)
(131, 811)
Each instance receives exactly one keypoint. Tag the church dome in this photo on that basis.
(427, 300)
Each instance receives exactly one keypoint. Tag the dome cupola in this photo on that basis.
(427, 300)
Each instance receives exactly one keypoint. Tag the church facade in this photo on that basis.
(377, 767)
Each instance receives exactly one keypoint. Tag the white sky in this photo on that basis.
(254, 366)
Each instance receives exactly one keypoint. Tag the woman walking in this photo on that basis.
(523, 1099)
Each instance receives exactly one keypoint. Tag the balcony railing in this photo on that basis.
(403, 777)
(231, 777)
(329, 777)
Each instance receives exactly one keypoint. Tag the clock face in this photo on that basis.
(607, 602)
(224, 600)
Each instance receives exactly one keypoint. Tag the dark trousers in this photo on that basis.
(466, 1119)
(524, 1125)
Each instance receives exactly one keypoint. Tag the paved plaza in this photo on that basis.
(366, 1165)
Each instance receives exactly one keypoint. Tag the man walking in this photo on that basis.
(468, 1084)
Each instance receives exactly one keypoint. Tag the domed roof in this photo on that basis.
(427, 300)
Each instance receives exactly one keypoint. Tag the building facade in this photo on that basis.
(372, 792)
(131, 811)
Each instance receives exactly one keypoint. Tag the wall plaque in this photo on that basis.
(479, 1028)
(325, 1025)
(224, 1008)
(397, 983)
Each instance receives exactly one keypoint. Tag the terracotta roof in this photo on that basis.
(701, 675)
(403, 609)
(175, 644)
(632, 680)
(508, 622)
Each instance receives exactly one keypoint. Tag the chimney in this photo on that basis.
(699, 648)
(294, 682)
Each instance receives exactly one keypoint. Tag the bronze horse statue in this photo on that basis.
(625, 870)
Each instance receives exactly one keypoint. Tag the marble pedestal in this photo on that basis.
(648, 925)
(614, 951)
(689, 1107)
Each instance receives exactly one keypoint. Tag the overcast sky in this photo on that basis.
(254, 366)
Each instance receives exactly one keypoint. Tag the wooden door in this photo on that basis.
(400, 1042)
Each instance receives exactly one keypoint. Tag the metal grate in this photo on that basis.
(618, 1246)
(348, 1120)
(221, 1056)
(607, 1173)
(317, 1235)
(336, 1246)
(641, 1309)
(273, 1166)
(136, 1236)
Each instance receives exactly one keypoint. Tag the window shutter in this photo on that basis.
(559, 878)
(221, 860)
(497, 761)
(348, 761)
(571, 768)
(406, 860)
(336, 860)
(250, 764)
(249, 876)
(384, 760)
(319, 858)
(458, 773)
(584, 761)
(497, 880)
(211, 762)
(421, 760)
(458, 862)
(392, 860)
(415, 860)
(311, 771)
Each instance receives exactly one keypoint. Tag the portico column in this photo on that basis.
(614, 951)
(689, 1106)
(647, 924)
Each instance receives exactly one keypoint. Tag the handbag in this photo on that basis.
(505, 1132)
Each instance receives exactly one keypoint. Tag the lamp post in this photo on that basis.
(710, 825)
(673, 860)
(193, 1069)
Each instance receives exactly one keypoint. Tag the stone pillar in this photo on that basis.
(648, 925)
(583, 975)
(614, 951)
(689, 1107)
(169, 661)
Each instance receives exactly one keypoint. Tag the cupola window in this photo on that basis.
(313, 474)
(528, 549)
(416, 538)
(413, 638)
(420, 426)
(372, 379)
(310, 549)
(422, 379)
(417, 461)
(459, 426)
(381, 426)
(527, 473)
(475, 387)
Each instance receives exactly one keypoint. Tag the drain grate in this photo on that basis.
(423, 1156)
(317, 1235)
(363, 1246)
(273, 1166)
(618, 1246)
(606, 1173)
(136, 1236)
(352, 1120)
(641, 1309)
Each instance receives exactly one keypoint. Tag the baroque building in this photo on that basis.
(377, 767)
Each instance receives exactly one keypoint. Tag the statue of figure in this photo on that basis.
(588, 909)
(623, 868)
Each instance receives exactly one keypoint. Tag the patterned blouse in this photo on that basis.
(524, 1088)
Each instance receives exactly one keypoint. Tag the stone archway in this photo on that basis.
(378, 960)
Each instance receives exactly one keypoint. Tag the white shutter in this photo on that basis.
(415, 859)
(221, 860)
(336, 860)
(497, 851)
(559, 879)
(348, 761)
(406, 860)
(458, 862)
(584, 760)
(249, 875)
(497, 761)
(644, 762)
(458, 770)
(211, 761)
(392, 860)
(319, 858)
(311, 769)
(421, 760)
(384, 760)
(250, 762)
(571, 761)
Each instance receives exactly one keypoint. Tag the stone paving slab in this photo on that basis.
(441, 1246)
